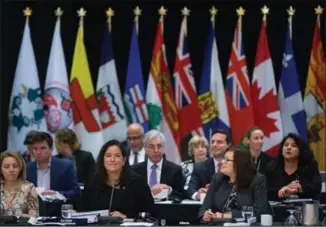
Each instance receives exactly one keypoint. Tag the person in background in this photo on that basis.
(113, 175)
(255, 139)
(28, 155)
(68, 146)
(203, 171)
(296, 172)
(51, 173)
(238, 184)
(17, 194)
(197, 151)
(136, 152)
(160, 173)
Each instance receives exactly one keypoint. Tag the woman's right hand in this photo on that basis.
(208, 216)
(286, 191)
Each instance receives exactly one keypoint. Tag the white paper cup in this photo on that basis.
(266, 220)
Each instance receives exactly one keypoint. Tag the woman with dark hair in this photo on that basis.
(296, 172)
(131, 195)
(255, 141)
(235, 186)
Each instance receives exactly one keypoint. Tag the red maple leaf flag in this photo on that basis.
(264, 97)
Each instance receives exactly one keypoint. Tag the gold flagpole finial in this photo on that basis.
(213, 12)
(241, 11)
(58, 12)
(291, 11)
(81, 12)
(319, 10)
(109, 13)
(185, 11)
(162, 11)
(137, 13)
(265, 11)
(27, 12)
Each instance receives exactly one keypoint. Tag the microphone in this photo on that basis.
(111, 197)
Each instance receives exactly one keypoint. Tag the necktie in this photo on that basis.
(153, 176)
(218, 167)
(135, 158)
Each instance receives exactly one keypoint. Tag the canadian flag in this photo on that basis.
(264, 98)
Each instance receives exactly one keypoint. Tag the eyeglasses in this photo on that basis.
(134, 137)
(152, 146)
(227, 160)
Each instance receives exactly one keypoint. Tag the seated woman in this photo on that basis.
(67, 145)
(255, 139)
(197, 151)
(296, 172)
(132, 194)
(16, 192)
(235, 186)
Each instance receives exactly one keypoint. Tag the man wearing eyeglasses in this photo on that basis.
(136, 151)
(161, 174)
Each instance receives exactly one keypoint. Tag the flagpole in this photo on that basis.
(240, 11)
(162, 12)
(318, 11)
(58, 14)
(185, 12)
(213, 12)
(291, 12)
(82, 13)
(109, 13)
(265, 11)
(137, 13)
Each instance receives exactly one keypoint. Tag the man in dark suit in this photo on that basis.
(135, 152)
(159, 172)
(51, 173)
(203, 171)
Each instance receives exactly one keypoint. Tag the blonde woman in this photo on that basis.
(197, 151)
(17, 194)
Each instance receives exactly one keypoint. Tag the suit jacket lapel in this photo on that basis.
(223, 194)
(211, 169)
(53, 173)
(163, 179)
(34, 173)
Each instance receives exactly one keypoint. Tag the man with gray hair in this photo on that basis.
(160, 173)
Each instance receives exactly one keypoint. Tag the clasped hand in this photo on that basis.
(158, 188)
(118, 214)
(209, 215)
(293, 188)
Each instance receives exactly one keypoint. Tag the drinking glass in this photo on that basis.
(66, 210)
(324, 220)
(291, 220)
(18, 213)
(247, 212)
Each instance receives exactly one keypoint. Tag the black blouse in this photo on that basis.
(131, 199)
(308, 176)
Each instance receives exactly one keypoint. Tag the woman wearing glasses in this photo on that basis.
(297, 171)
(237, 185)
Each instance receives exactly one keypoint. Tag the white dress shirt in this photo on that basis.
(158, 170)
(141, 156)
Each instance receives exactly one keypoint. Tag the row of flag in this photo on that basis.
(171, 106)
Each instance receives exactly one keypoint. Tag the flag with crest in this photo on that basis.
(26, 105)
(264, 96)
(315, 99)
(134, 97)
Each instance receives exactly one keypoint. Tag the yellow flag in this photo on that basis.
(84, 105)
(315, 100)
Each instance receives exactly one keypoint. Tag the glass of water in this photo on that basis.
(247, 212)
(66, 210)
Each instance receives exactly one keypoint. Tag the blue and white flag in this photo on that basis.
(211, 97)
(112, 114)
(26, 105)
(289, 95)
(134, 97)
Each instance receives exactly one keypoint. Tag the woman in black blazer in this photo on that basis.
(297, 171)
(131, 194)
(235, 186)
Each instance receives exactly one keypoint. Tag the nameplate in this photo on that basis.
(68, 221)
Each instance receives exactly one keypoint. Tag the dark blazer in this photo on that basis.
(201, 175)
(130, 199)
(128, 153)
(62, 174)
(220, 188)
(85, 164)
(171, 175)
(308, 176)
(266, 163)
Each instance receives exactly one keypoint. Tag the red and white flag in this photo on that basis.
(264, 97)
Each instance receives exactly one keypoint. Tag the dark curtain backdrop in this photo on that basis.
(43, 20)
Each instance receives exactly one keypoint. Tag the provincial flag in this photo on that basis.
(211, 96)
(315, 99)
(112, 114)
(84, 106)
(162, 110)
(134, 97)
(238, 89)
(26, 105)
(264, 96)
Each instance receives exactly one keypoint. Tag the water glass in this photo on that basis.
(247, 212)
(66, 210)
(291, 220)
(18, 213)
(324, 220)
